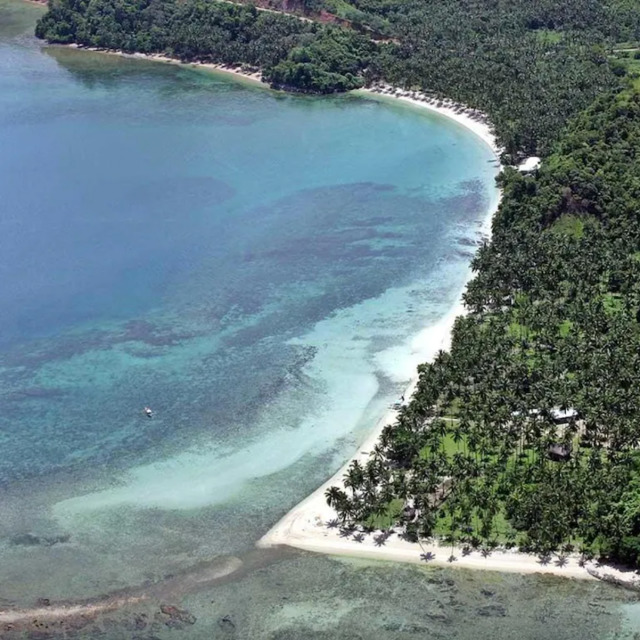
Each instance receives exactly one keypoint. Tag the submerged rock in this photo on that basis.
(438, 616)
(226, 623)
(627, 580)
(140, 621)
(177, 617)
(32, 540)
(402, 626)
(492, 611)
(26, 540)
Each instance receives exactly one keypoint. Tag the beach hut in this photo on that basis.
(410, 513)
(529, 165)
(562, 416)
(559, 452)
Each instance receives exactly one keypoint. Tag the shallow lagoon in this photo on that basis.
(255, 267)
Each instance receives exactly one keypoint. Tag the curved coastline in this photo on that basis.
(48, 615)
(235, 71)
(471, 119)
(306, 525)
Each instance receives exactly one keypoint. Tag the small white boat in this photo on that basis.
(148, 411)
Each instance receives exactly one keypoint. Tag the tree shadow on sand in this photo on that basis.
(544, 559)
(382, 537)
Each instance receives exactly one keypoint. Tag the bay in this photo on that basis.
(254, 266)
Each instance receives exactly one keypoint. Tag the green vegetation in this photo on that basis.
(302, 55)
(549, 36)
(480, 455)
(553, 323)
(570, 225)
(529, 64)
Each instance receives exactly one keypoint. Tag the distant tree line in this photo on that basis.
(300, 55)
(530, 64)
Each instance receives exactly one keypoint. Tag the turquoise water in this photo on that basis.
(255, 267)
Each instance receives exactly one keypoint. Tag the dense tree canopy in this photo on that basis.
(298, 54)
(530, 64)
(552, 329)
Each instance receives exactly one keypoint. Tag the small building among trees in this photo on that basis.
(561, 416)
(559, 452)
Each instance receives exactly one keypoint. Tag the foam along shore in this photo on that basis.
(238, 71)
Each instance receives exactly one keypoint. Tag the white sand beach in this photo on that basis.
(470, 118)
(308, 525)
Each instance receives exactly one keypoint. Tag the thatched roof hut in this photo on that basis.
(409, 512)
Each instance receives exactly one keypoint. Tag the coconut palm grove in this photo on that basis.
(526, 433)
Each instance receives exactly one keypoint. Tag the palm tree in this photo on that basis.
(334, 496)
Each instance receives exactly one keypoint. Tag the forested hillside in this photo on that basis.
(292, 52)
(530, 425)
(530, 65)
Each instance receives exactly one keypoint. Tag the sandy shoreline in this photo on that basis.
(305, 527)
(472, 119)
